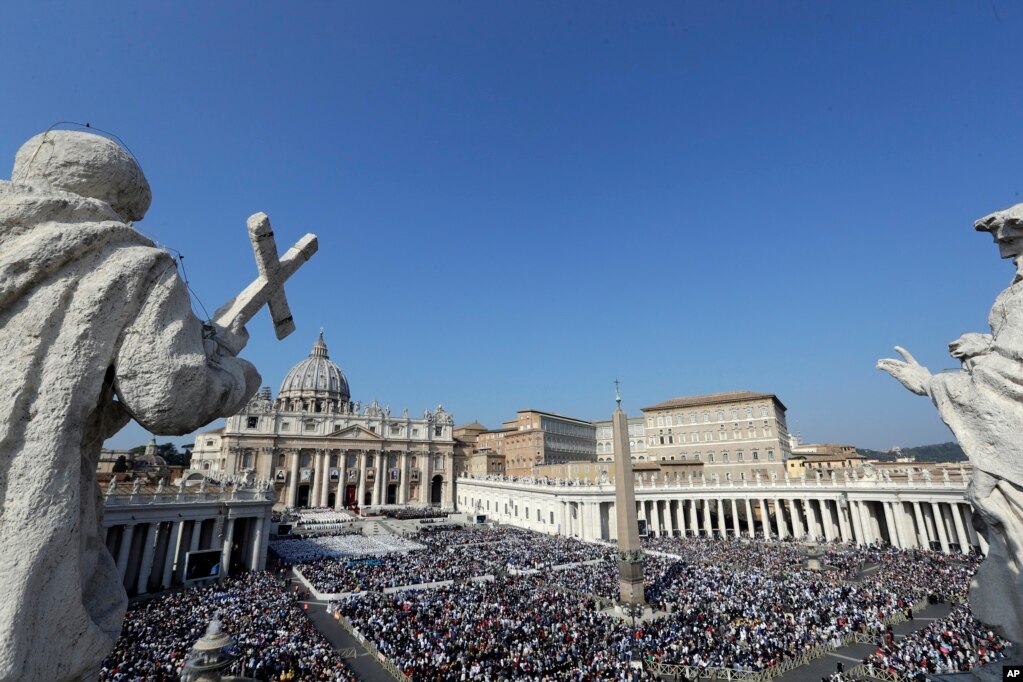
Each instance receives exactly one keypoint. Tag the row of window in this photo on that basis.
(705, 416)
(708, 436)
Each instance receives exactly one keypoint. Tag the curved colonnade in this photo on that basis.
(921, 514)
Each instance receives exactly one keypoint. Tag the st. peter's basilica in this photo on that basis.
(321, 449)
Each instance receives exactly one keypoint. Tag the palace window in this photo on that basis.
(285, 426)
(252, 422)
(763, 411)
(438, 431)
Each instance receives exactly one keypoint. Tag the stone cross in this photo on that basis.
(268, 288)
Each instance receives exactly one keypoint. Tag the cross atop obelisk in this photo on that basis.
(630, 552)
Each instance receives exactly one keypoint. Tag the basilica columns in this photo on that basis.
(293, 479)
(403, 478)
(360, 490)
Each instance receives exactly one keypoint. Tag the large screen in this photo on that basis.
(642, 528)
(204, 564)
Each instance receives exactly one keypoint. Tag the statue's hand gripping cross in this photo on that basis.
(268, 287)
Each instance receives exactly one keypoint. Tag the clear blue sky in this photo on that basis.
(518, 202)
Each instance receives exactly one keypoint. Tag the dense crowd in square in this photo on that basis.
(734, 603)
(274, 639)
(956, 643)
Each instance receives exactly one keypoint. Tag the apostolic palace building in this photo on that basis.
(321, 449)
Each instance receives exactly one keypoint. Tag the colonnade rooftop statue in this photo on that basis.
(96, 328)
(983, 406)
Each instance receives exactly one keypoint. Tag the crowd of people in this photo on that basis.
(274, 640)
(514, 628)
(409, 513)
(956, 643)
(725, 603)
(739, 604)
(296, 550)
(337, 566)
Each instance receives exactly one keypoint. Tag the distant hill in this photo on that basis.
(940, 452)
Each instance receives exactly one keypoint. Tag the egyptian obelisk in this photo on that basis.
(630, 553)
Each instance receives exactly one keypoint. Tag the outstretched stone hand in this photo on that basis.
(908, 371)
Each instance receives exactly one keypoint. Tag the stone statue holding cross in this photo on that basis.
(96, 329)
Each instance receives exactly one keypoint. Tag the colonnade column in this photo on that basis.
(922, 534)
(750, 530)
(173, 547)
(225, 559)
(765, 520)
(893, 535)
(193, 545)
(669, 523)
(655, 519)
(735, 519)
(843, 520)
(707, 528)
(257, 543)
(779, 517)
(865, 522)
(694, 518)
(827, 522)
(125, 549)
(957, 519)
(296, 455)
(722, 526)
(797, 523)
(142, 583)
(857, 522)
(939, 524)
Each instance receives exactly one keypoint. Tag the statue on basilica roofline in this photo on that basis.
(982, 404)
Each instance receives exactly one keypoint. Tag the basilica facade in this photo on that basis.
(319, 448)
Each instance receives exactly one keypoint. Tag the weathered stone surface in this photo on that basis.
(96, 328)
(983, 406)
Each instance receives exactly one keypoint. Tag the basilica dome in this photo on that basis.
(316, 381)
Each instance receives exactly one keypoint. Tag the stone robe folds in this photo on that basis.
(983, 406)
(95, 328)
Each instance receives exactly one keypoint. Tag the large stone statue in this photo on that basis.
(96, 328)
(983, 406)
